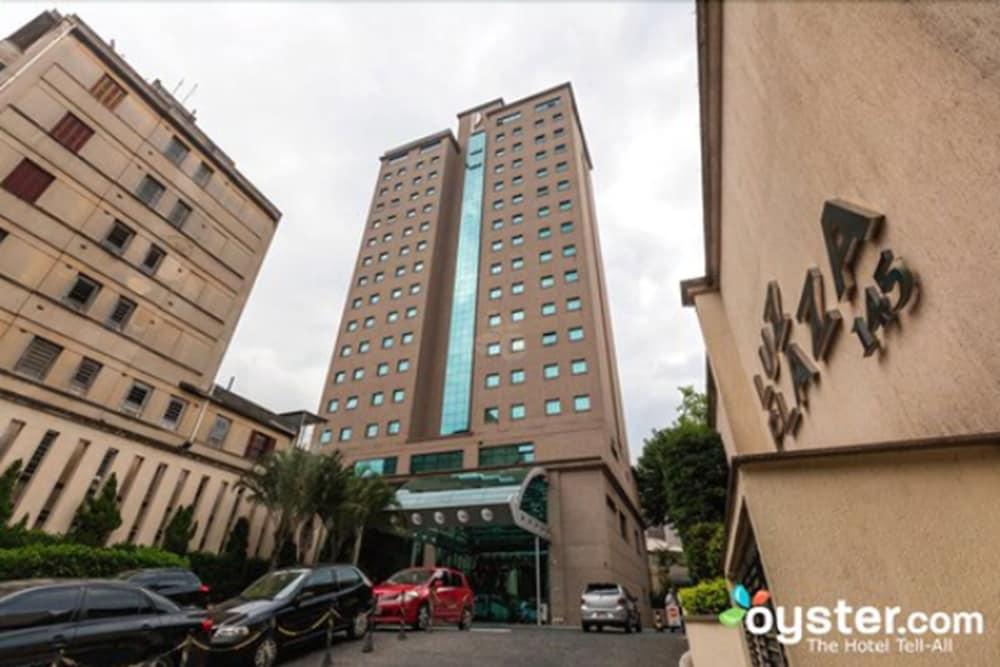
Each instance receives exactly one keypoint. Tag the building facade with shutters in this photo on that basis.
(129, 243)
(476, 342)
(849, 158)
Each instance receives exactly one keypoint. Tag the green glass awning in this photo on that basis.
(477, 499)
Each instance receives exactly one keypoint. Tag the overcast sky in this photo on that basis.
(306, 96)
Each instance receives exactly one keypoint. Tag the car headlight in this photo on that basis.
(230, 633)
(410, 595)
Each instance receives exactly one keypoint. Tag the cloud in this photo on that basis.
(306, 96)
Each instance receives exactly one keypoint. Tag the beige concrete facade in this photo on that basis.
(129, 243)
(541, 332)
(881, 494)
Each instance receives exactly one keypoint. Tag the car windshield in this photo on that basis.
(411, 577)
(602, 589)
(274, 586)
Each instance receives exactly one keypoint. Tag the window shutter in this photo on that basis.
(38, 358)
(72, 132)
(108, 92)
(85, 374)
(27, 181)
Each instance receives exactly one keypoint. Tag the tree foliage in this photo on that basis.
(180, 530)
(239, 539)
(97, 517)
(703, 550)
(8, 480)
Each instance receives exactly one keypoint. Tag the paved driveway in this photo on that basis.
(485, 646)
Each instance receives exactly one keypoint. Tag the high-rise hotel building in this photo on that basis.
(129, 243)
(475, 354)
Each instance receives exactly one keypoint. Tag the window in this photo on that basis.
(542, 191)
(581, 403)
(358, 374)
(345, 351)
(569, 250)
(382, 369)
(368, 467)
(516, 219)
(39, 608)
(339, 377)
(85, 375)
(203, 174)
(136, 398)
(333, 405)
(539, 138)
(573, 303)
(559, 149)
(392, 428)
(149, 191)
(547, 104)
(352, 325)
(71, 132)
(220, 429)
(378, 398)
(575, 334)
(562, 186)
(517, 199)
(578, 366)
(498, 204)
(546, 282)
(418, 267)
(543, 212)
(326, 437)
(406, 338)
(345, 434)
(517, 239)
(421, 246)
(566, 227)
(118, 238)
(108, 92)
(517, 315)
(549, 338)
(434, 462)
(176, 151)
(493, 349)
(550, 371)
(82, 294)
(151, 262)
(548, 309)
(571, 276)
(544, 256)
(541, 155)
(364, 346)
(37, 358)
(508, 118)
(491, 415)
(352, 402)
(544, 232)
(492, 380)
(517, 288)
(105, 602)
(402, 365)
(517, 263)
(398, 395)
(174, 412)
(415, 288)
(517, 376)
(121, 313)
(496, 246)
(496, 268)
(553, 407)
(498, 186)
(561, 167)
(495, 293)
(371, 430)
(494, 320)
(565, 205)
(27, 181)
(517, 345)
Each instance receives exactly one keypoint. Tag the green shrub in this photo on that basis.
(78, 560)
(12, 537)
(97, 516)
(706, 597)
(703, 550)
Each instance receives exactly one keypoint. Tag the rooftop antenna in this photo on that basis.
(190, 93)
(177, 87)
(229, 385)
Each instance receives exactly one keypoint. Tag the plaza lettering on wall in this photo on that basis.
(847, 229)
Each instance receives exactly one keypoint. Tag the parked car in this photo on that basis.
(174, 583)
(418, 596)
(92, 622)
(290, 606)
(608, 604)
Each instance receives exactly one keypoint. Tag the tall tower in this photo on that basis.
(476, 335)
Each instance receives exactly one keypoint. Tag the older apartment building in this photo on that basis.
(475, 355)
(129, 243)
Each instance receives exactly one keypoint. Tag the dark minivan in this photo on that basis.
(91, 622)
(174, 583)
(288, 607)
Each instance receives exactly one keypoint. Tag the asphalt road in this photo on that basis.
(485, 646)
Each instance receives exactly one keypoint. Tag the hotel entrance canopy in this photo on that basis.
(484, 503)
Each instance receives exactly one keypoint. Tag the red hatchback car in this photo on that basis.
(420, 596)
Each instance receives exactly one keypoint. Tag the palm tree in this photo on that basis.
(368, 497)
(329, 498)
(284, 483)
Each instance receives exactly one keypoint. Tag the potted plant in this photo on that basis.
(711, 642)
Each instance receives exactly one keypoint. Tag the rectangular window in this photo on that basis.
(220, 430)
(402, 365)
(566, 227)
(136, 398)
(378, 398)
(562, 186)
(118, 237)
(578, 366)
(571, 276)
(550, 371)
(549, 338)
(179, 214)
(333, 405)
(569, 250)
(517, 411)
(494, 320)
(547, 104)
(121, 314)
(575, 334)
(151, 262)
(174, 412)
(507, 455)
(517, 376)
(508, 118)
(436, 462)
(543, 212)
(108, 92)
(581, 403)
(366, 467)
(548, 309)
(517, 288)
(85, 375)
(82, 294)
(371, 430)
(203, 174)
(149, 191)
(492, 380)
(544, 232)
(546, 282)
(573, 304)
(345, 434)
(326, 437)
(27, 181)
(71, 132)
(176, 151)
(565, 205)
(392, 428)
(493, 349)
(517, 345)
(259, 446)
(491, 415)
(517, 315)
(37, 359)
(398, 395)
(553, 407)
(544, 256)
(561, 167)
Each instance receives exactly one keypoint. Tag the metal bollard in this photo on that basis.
(402, 628)
(369, 644)
(328, 655)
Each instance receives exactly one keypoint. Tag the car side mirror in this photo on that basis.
(435, 583)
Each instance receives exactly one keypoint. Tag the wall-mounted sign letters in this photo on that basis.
(847, 229)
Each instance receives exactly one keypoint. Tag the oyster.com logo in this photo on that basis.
(741, 597)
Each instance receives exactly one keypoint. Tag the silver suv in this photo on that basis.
(609, 604)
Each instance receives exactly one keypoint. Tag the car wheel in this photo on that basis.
(638, 624)
(585, 627)
(600, 628)
(628, 627)
(423, 618)
(358, 627)
(266, 653)
(465, 622)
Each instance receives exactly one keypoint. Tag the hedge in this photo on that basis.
(16, 537)
(77, 560)
(706, 597)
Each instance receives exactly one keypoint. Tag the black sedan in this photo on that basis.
(174, 583)
(102, 623)
(290, 606)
